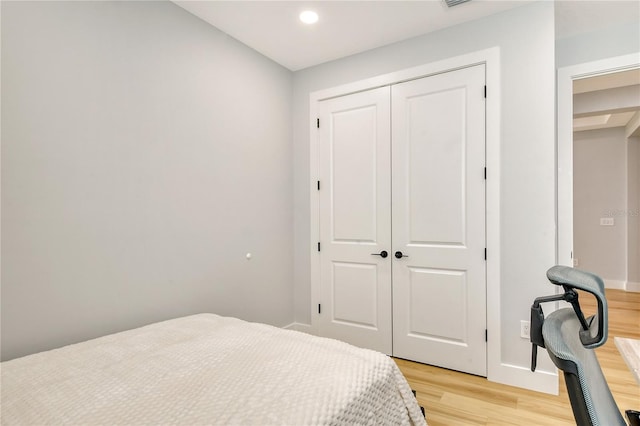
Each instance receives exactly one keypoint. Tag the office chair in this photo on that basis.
(570, 340)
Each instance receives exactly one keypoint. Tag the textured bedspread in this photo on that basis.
(206, 369)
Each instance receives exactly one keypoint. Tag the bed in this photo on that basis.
(207, 369)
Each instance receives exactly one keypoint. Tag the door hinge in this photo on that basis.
(318, 185)
(485, 253)
(319, 308)
(318, 246)
(485, 92)
(318, 122)
(486, 334)
(485, 173)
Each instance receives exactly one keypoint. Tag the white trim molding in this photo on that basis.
(622, 285)
(615, 284)
(496, 371)
(633, 286)
(515, 375)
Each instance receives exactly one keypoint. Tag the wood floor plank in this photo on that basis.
(453, 398)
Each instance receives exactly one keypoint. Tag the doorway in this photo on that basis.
(597, 169)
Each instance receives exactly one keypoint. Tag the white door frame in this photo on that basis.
(566, 76)
(491, 58)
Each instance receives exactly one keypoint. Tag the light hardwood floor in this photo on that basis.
(452, 398)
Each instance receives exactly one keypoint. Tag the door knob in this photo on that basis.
(399, 255)
(382, 254)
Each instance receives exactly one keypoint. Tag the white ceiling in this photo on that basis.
(345, 27)
(601, 83)
(349, 27)
(607, 81)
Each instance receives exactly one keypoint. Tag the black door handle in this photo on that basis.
(382, 254)
(399, 255)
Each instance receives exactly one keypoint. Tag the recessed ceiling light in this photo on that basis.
(309, 17)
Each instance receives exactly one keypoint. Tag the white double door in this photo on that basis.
(402, 173)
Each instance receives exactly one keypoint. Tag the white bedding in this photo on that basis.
(206, 369)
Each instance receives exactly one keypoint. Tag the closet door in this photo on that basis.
(355, 219)
(439, 288)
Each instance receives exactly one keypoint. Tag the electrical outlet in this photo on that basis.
(525, 329)
(576, 262)
(607, 221)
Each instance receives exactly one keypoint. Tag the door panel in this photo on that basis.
(441, 222)
(355, 219)
(438, 151)
(427, 311)
(355, 294)
(353, 144)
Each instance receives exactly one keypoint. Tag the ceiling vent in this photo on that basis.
(452, 3)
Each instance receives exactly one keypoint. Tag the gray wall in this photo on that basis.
(600, 191)
(144, 153)
(525, 36)
(609, 42)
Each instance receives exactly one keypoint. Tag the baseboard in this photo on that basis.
(522, 377)
(633, 286)
(622, 285)
(297, 326)
(615, 284)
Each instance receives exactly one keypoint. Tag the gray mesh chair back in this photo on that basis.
(570, 338)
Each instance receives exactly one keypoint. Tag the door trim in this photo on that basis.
(566, 76)
(491, 59)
